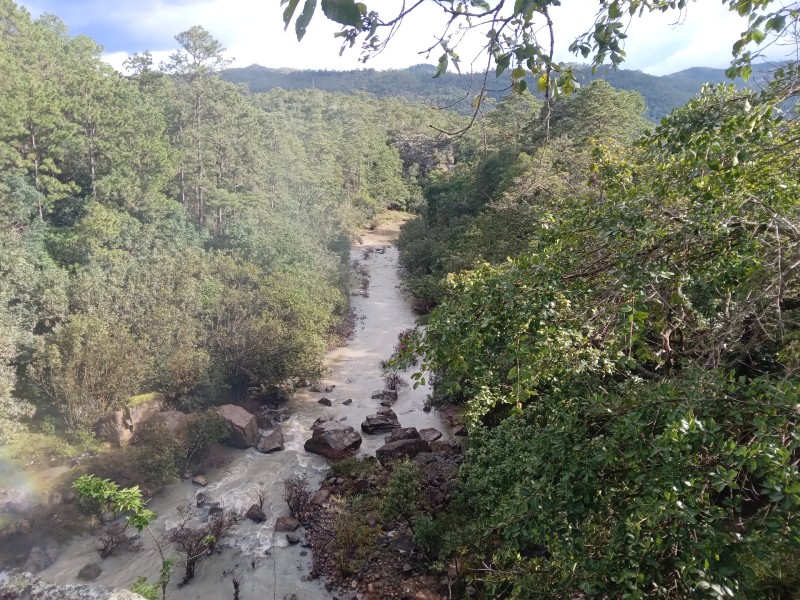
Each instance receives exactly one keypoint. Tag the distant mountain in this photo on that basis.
(455, 91)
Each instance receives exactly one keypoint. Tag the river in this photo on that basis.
(265, 565)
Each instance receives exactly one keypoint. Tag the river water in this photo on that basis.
(263, 562)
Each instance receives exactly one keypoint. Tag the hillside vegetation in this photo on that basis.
(618, 317)
(456, 91)
(165, 232)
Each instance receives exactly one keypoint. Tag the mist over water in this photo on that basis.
(263, 562)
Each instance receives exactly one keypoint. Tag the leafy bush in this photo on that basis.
(402, 497)
(631, 379)
(354, 538)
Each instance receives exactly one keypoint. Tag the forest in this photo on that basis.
(167, 232)
(612, 305)
(662, 94)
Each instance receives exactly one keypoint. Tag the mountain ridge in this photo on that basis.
(662, 93)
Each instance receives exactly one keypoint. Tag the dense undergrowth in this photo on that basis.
(618, 316)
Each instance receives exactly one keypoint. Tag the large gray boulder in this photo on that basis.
(384, 421)
(271, 441)
(174, 421)
(333, 440)
(119, 427)
(401, 449)
(241, 425)
(404, 433)
(430, 434)
(389, 395)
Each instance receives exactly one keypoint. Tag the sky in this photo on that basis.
(252, 32)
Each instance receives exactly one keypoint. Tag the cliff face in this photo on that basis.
(24, 586)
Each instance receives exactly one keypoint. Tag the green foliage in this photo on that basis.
(168, 232)
(630, 377)
(402, 497)
(160, 455)
(149, 591)
(97, 495)
(354, 538)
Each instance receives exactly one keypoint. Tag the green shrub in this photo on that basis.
(402, 497)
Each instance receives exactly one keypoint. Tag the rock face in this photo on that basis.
(23, 586)
(430, 434)
(333, 440)
(270, 442)
(408, 448)
(119, 427)
(241, 425)
(385, 420)
(390, 395)
(174, 421)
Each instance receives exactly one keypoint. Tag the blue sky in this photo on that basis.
(252, 32)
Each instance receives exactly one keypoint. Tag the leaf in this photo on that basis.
(482, 4)
(442, 66)
(304, 19)
(345, 12)
(502, 64)
(288, 12)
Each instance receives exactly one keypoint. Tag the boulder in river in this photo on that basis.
(430, 434)
(271, 441)
(286, 524)
(404, 433)
(407, 448)
(325, 401)
(256, 514)
(89, 572)
(241, 425)
(385, 420)
(390, 395)
(333, 440)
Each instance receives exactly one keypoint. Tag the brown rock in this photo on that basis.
(385, 420)
(401, 449)
(430, 434)
(241, 425)
(119, 427)
(389, 395)
(404, 433)
(174, 421)
(320, 496)
(286, 524)
(270, 442)
(200, 480)
(333, 440)
(89, 572)
(255, 514)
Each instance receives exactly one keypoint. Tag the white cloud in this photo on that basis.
(252, 31)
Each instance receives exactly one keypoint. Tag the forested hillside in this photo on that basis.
(617, 315)
(166, 232)
(456, 91)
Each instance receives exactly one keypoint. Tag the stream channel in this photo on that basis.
(263, 562)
